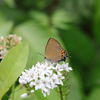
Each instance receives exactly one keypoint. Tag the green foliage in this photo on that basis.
(75, 87)
(36, 96)
(60, 18)
(11, 66)
(19, 91)
(96, 21)
(6, 28)
(79, 45)
(94, 94)
(10, 3)
(37, 16)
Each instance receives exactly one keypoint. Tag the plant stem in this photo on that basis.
(13, 87)
(60, 90)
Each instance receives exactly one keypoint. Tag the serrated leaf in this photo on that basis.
(11, 66)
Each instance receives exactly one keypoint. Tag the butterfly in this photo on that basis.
(54, 51)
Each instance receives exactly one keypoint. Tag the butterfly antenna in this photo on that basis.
(40, 54)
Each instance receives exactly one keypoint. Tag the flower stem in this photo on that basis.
(60, 90)
(13, 87)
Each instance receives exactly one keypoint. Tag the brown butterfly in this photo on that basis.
(54, 52)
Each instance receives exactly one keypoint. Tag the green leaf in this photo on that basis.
(60, 18)
(95, 94)
(6, 28)
(2, 18)
(76, 92)
(38, 16)
(53, 95)
(79, 44)
(96, 21)
(95, 73)
(11, 66)
(37, 95)
(10, 3)
(18, 92)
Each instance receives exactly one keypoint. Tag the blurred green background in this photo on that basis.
(74, 23)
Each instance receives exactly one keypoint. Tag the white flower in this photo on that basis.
(38, 65)
(22, 82)
(38, 84)
(32, 84)
(53, 81)
(32, 91)
(48, 91)
(38, 73)
(2, 38)
(44, 91)
(3, 51)
(53, 85)
(8, 43)
(58, 68)
(66, 67)
(44, 76)
(59, 79)
(24, 95)
(45, 82)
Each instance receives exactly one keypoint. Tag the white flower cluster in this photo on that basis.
(8, 43)
(3, 50)
(44, 76)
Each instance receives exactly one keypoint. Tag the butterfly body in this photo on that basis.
(54, 52)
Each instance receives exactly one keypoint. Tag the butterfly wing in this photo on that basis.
(53, 50)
